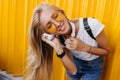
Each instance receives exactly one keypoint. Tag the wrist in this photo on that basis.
(89, 48)
(61, 55)
(59, 50)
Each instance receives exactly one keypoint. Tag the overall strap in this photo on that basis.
(88, 29)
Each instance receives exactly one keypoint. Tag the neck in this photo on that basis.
(74, 28)
(70, 32)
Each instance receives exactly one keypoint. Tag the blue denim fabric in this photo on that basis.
(87, 70)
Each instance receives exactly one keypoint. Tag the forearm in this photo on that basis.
(97, 50)
(67, 62)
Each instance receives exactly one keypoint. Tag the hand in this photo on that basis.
(76, 44)
(53, 42)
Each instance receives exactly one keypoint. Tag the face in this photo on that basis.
(54, 22)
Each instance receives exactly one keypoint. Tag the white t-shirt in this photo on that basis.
(96, 28)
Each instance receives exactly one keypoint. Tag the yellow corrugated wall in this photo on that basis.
(15, 17)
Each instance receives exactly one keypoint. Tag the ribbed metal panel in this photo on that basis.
(15, 17)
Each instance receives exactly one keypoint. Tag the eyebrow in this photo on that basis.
(51, 17)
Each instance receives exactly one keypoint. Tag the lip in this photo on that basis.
(62, 27)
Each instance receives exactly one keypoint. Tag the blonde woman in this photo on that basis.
(80, 54)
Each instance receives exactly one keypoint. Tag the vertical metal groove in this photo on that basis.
(14, 22)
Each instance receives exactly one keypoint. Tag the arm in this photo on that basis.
(102, 49)
(66, 59)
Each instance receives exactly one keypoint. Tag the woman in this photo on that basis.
(80, 54)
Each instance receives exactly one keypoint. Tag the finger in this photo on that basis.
(44, 38)
(69, 41)
(48, 36)
(72, 38)
(71, 47)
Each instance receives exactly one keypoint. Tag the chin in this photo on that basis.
(63, 33)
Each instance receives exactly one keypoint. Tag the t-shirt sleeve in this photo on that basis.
(96, 26)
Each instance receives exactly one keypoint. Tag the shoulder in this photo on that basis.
(91, 20)
(95, 25)
(94, 22)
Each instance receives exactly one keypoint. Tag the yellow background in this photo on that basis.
(15, 17)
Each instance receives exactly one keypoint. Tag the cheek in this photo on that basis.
(52, 29)
(67, 27)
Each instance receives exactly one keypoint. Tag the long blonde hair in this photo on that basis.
(40, 57)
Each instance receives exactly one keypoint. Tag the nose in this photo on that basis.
(56, 23)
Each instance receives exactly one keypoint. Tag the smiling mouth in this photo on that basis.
(62, 27)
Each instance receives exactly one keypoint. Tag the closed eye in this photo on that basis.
(55, 15)
(49, 26)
